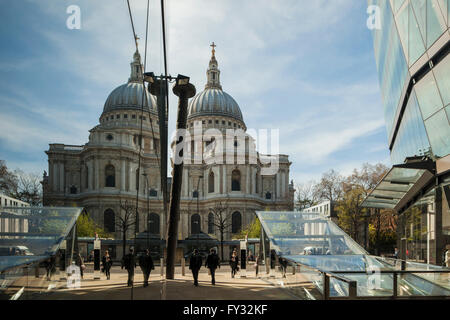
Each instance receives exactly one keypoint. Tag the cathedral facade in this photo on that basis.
(102, 175)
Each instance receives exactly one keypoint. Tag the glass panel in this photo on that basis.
(397, 4)
(438, 130)
(428, 96)
(402, 25)
(411, 138)
(435, 22)
(44, 230)
(443, 6)
(442, 75)
(416, 43)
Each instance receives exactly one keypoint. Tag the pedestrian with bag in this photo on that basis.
(195, 263)
(106, 264)
(234, 263)
(212, 262)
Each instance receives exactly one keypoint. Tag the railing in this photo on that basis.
(322, 280)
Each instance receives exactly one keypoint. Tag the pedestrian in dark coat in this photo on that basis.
(106, 264)
(195, 263)
(146, 264)
(234, 263)
(212, 262)
(129, 263)
(80, 263)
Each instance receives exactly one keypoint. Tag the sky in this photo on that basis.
(304, 67)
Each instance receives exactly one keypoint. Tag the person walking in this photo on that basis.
(129, 263)
(146, 264)
(283, 264)
(195, 263)
(212, 262)
(396, 253)
(234, 262)
(106, 264)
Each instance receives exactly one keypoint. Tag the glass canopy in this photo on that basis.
(29, 234)
(397, 185)
(312, 240)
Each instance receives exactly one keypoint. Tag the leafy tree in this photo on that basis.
(350, 213)
(86, 227)
(253, 230)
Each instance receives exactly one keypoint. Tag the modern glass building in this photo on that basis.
(412, 56)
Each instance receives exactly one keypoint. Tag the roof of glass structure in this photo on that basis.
(30, 234)
(313, 240)
(398, 186)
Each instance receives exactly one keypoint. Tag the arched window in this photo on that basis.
(109, 220)
(236, 222)
(110, 174)
(73, 189)
(195, 224)
(211, 182)
(211, 223)
(268, 195)
(236, 180)
(153, 223)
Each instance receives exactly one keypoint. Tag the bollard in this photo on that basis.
(267, 265)
(183, 266)
(161, 261)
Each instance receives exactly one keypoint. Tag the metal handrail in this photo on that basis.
(353, 283)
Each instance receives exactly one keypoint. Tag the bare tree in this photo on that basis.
(125, 220)
(222, 220)
(29, 188)
(305, 195)
(330, 186)
(8, 181)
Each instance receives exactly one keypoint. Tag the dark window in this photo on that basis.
(73, 190)
(106, 118)
(110, 174)
(137, 179)
(195, 224)
(203, 121)
(145, 118)
(211, 182)
(125, 116)
(153, 193)
(133, 116)
(229, 123)
(234, 125)
(209, 121)
(195, 194)
(217, 121)
(268, 195)
(236, 180)
(211, 223)
(109, 137)
(153, 223)
(236, 222)
(109, 220)
(118, 116)
(223, 122)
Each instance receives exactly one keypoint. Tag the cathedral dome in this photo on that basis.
(213, 101)
(129, 95)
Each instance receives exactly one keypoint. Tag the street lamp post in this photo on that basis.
(148, 208)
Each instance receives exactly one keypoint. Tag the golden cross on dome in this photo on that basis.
(213, 46)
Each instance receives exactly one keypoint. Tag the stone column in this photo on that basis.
(224, 180)
(122, 175)
(247, 180)
(61, 177)
(97, 175)
(277, 182)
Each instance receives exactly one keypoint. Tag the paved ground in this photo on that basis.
(181, 288)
